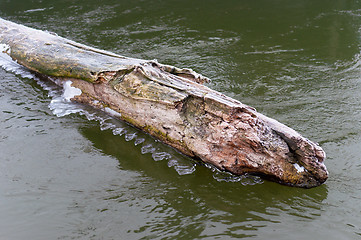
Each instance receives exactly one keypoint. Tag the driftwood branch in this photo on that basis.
(173, 105)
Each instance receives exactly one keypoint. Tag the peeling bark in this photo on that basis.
(173, 105)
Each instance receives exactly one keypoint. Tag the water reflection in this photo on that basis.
(203, 207)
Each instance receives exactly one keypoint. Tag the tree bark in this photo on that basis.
(173, 105)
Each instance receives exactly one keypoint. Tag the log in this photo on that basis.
(171, 104)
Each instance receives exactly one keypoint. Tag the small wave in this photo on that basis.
(354, 13)
(37, 10)
(182, 167)
(352, 66)
(222, 176)
(275, 51)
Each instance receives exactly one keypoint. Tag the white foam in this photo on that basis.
(112, 112)
(70, 91)
(62, 105)
(299, 168)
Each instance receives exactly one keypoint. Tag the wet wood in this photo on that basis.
(173, 105)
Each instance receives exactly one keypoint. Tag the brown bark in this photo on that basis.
(172, 105)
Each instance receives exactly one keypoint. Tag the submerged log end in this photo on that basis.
(249, 142)
(309, 156)
(277, 152)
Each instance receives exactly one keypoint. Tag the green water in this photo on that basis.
(72, 178)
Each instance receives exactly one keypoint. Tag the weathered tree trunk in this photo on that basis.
(172, 105)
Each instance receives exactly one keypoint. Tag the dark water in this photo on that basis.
(86, 176)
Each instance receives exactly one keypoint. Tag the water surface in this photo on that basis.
(86, 176)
